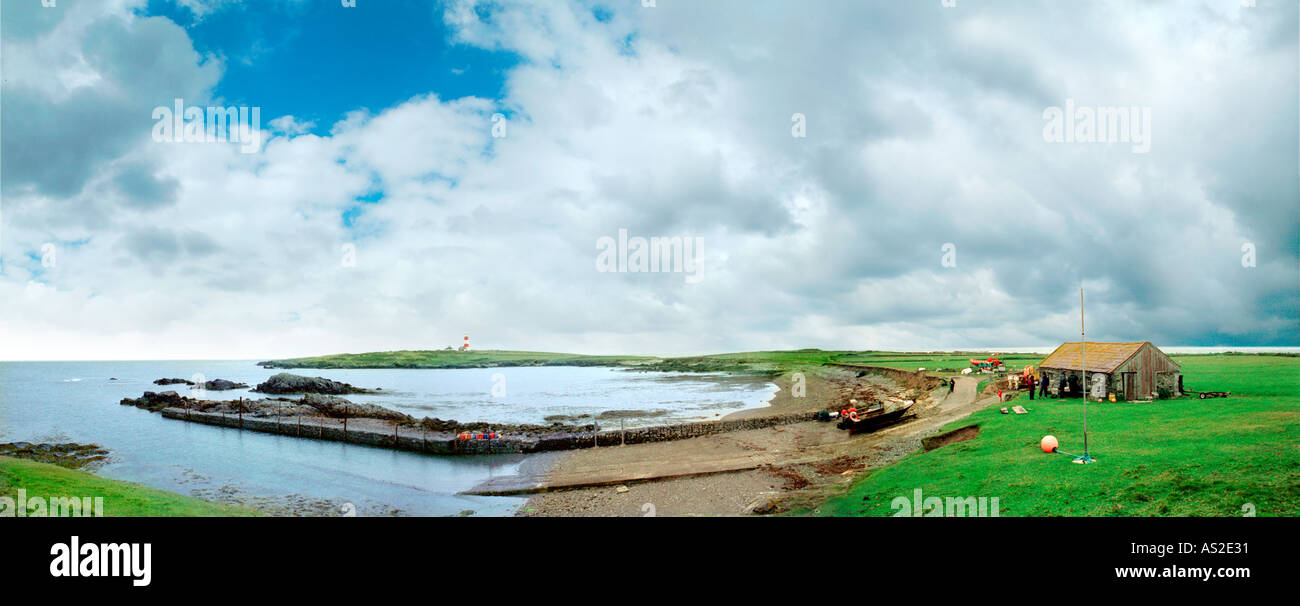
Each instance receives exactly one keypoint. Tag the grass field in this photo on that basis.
(120, 498)
(456, 359)
(758, 361)
(1182, 457)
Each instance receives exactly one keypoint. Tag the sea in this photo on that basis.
(285, 475)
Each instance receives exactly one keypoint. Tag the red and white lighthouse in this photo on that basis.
(465, 347)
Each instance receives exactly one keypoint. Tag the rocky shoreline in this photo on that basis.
(318, 400)
(213, 385)
(317, 413)
(69, 454)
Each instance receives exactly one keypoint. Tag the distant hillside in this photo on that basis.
(757, 361)
(486, 358)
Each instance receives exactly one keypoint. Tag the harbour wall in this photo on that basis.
(382, 434)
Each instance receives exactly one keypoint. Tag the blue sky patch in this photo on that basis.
(318, 61)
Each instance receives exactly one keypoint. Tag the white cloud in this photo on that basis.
(924, 128)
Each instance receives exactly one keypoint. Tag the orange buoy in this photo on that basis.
(1048, 444)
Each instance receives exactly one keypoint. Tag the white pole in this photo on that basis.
(1083, 363)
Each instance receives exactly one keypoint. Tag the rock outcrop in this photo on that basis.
(285, 383)
(155, 402)
(334, 406)
(214, 385)
(308, 405)
(223, 385)
(70, 455)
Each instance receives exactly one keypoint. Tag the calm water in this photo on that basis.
(77, 402)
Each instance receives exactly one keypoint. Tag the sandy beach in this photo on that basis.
(759, 471)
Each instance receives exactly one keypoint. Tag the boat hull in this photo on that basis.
(874, 422)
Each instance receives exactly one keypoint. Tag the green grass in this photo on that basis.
(756, 361)
(455, 359)
(120, 498)
(1183, 457)
(950, 362)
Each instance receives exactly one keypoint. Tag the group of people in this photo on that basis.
(1065, 386)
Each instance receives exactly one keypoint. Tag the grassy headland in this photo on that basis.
(756, 361)
(454, 359)
(120, 498)
(1179, 457)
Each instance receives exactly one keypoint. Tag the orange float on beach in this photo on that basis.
(1048, 444)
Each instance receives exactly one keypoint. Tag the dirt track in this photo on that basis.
(760, 470)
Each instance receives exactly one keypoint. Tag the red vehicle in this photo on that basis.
(992, 363)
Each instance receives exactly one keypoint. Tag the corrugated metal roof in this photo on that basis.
(1102, 357)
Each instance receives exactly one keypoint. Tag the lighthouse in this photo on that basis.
(465, 347)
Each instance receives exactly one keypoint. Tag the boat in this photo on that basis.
(877, 415)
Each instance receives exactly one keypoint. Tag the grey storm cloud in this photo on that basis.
(142, 189)
(153, 244)
(1039, 228)
(67, 137)
(29, 21)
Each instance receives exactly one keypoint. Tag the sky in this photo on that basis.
(850, 175)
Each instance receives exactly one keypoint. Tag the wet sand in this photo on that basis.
(758, 471)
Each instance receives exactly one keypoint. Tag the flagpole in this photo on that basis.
(1083, 366)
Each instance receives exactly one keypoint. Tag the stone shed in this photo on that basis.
(1131, 371)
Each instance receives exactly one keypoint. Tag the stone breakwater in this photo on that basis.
(375, 432)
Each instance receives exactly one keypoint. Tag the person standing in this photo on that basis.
(1029, 382)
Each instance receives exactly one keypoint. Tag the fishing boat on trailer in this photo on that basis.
(878, 414)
